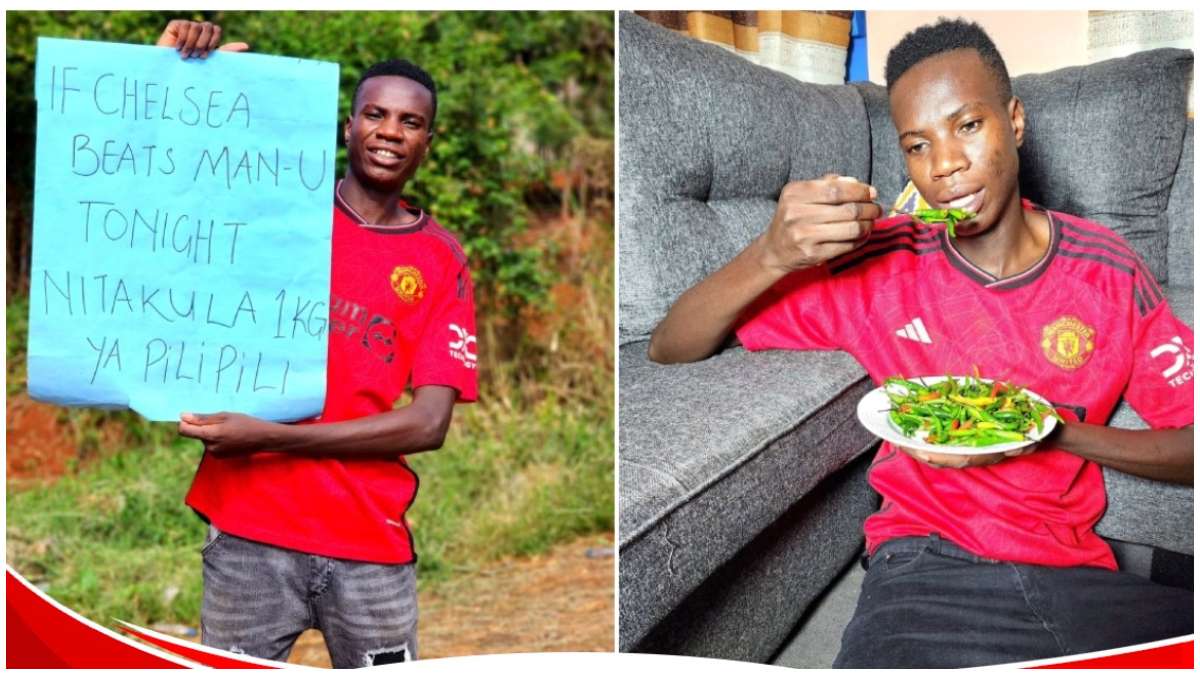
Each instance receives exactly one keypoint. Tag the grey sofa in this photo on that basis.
(742, 488)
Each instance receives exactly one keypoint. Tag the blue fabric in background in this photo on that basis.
(856, 61)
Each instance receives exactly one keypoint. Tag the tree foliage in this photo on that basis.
(515, 90)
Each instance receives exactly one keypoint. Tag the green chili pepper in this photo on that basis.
(950, 217)
(1006, 436)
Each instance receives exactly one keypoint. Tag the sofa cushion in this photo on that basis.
(1148, 512)
(889, 174)
(1103, 142)
(708, 140)
(715, 451)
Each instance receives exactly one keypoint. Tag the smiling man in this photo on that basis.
(307, 521)
(989, 559)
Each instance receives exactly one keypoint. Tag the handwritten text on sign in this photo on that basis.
(182, 214)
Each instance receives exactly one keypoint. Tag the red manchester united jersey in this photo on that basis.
(401, 314)
(1083, 327)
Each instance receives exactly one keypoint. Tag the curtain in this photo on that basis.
(808, 45)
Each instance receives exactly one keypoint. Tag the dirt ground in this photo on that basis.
(561, 600)
(37, 446)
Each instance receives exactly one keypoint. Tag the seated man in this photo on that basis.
(997, 561)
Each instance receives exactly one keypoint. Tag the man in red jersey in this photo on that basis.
(307, 521)
(997, 561)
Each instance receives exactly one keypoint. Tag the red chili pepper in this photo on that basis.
(954, 424)
(995, 389)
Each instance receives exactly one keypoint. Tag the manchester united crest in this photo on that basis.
(1067, 342)
(408, 283)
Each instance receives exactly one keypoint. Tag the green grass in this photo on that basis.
(511, 483)
(114, 540)
(16, 316)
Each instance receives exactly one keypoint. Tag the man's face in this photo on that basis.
(387, 134)
(959, 137)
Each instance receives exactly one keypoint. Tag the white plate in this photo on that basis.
(873, 414)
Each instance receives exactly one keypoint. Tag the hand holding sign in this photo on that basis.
(196, 38)
(231, 433)
(182, 221)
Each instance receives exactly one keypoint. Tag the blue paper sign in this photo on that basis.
(181, 230)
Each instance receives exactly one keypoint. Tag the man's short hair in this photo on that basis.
(943, 36)
(399, 68)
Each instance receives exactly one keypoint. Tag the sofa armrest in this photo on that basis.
(686, 426)
(714, 452)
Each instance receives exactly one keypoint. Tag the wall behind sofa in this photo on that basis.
(1037, 42)
(1031, 42)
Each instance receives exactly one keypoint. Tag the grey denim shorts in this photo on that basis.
(259, 598)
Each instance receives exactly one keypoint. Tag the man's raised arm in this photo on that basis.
(815, 221)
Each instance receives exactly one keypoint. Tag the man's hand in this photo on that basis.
(818, 220)
(227, 434)
(815, 221)
(951, 461)
(196, 38)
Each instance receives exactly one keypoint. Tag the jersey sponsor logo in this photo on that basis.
(1067, 342)
(915, 330)
(1179, 357)
(375, 332)
(462, 346)
(408, 283)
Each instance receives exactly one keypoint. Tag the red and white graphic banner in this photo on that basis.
(42, 633)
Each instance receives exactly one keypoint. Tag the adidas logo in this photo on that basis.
(915, 331)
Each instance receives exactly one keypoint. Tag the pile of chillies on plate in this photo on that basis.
(965, 411)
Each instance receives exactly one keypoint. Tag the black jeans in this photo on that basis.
(926, 603)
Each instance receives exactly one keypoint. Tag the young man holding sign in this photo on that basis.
(989, 558)
(307, 520)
